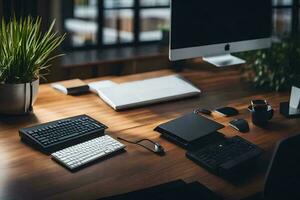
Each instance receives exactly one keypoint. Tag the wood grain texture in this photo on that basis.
(28, 174)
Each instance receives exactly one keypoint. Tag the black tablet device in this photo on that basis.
(189, 129)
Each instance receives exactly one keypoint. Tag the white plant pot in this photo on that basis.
(17, 99)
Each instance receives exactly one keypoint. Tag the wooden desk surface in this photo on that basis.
(28, 174)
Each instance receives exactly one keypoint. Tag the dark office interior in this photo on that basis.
(150, 99)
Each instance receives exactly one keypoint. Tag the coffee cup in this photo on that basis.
(262, 113)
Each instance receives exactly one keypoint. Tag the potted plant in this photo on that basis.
(25, 55)
(276, 68)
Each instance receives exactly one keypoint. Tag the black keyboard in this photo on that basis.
(226, 156)
(56, 135)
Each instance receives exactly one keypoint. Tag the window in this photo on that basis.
(285, 17)
(118, 22)
(153, 15)
(100, 23)
(81, 22)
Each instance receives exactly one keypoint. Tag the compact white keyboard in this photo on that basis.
(81, 154)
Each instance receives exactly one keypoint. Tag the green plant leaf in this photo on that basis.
(276, 68)
(25, 51)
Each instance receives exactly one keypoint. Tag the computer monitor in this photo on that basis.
(213, 29)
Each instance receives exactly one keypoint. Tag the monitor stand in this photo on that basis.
(224, 60)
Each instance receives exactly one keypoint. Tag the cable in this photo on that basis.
(138, 143)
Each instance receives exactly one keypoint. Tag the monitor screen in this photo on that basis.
(207, 22)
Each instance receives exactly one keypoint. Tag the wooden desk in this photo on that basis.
(28, 174)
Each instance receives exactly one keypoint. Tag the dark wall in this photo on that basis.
(1, 9)
(22, 8)
(19, 8)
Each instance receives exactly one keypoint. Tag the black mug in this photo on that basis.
(261, 111)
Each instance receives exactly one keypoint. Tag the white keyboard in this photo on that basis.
(81, 154)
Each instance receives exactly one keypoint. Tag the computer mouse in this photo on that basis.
(227, 111)
(158, 149)
(240, 125)
(202, 111)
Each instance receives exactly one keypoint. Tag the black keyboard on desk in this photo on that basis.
(226, 156)
(53, 136)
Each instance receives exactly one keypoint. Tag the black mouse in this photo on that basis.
(202, 111)
(240, 125)
(227, 111)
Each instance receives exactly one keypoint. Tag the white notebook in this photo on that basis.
(95, 86)
(145, 92)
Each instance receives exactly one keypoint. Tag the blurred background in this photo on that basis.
(120, 36)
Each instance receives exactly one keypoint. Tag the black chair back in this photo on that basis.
(283, 177)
